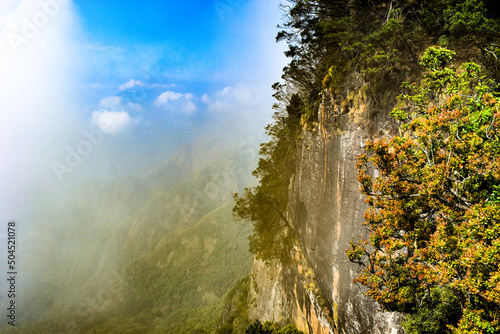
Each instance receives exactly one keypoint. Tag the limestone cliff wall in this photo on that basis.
(327, 211)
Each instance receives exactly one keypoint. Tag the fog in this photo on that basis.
(35, 98)
(78, 166)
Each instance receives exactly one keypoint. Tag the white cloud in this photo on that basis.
(111, 103)
(189, 108)
(167, 96)
(237, 99)
(116, 103)
(131, 84)
(111, 122)
(246, 104)
(177, 102)
(163, 85)
(134, 107)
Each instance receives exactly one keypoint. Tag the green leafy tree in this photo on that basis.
(438, 309)
(434, 205)
(266, 204)
(476, 22)
(290, 329)
(258, 328)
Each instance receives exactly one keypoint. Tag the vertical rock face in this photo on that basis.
(283, 294)
(327, 211)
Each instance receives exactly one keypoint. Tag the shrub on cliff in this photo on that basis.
(433, 191)
(269, 328)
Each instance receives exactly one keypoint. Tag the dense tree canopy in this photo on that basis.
(433, 191)
(378, 41)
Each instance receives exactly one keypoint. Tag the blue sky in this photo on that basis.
(131, 22)
(198, 46)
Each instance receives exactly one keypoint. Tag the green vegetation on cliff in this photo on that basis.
(269, 328)
(342, 44)
(234, 316)
(434, 247)
(186, 277)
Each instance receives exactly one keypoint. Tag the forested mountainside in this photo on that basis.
(376, 209)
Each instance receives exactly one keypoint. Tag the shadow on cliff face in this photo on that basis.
(301, 217)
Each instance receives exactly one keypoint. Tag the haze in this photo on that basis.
(101, 91)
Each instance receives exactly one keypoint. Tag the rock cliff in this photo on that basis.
(317, 291)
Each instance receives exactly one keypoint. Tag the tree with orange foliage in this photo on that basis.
(433, 191)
